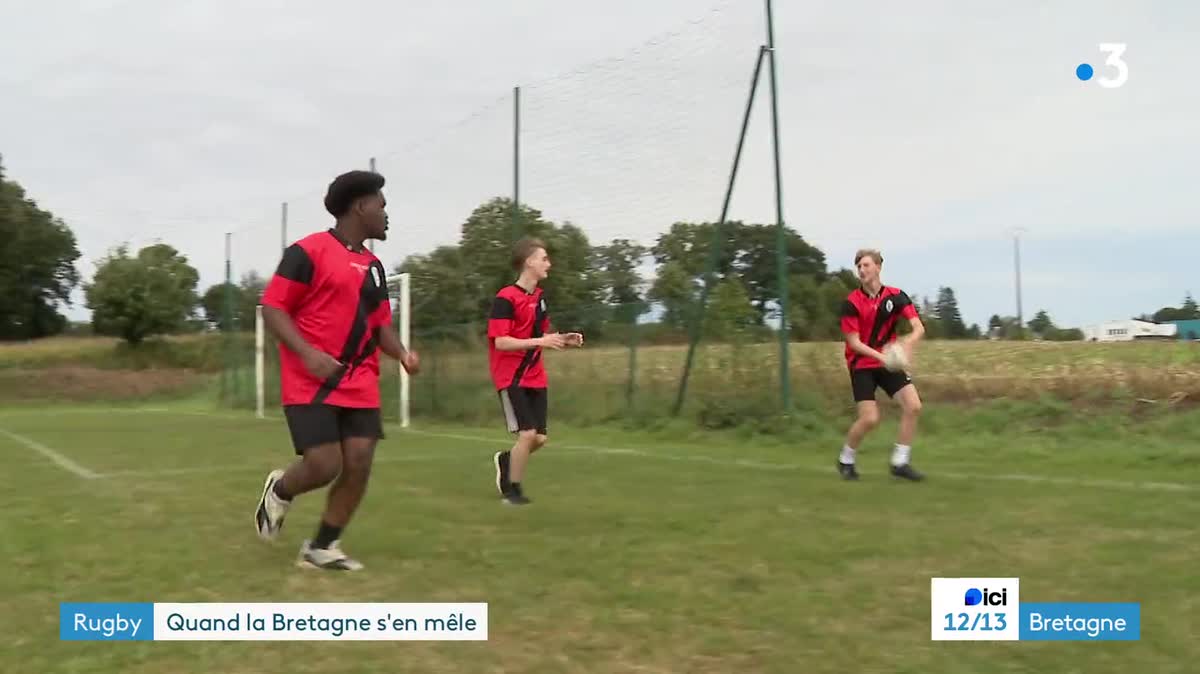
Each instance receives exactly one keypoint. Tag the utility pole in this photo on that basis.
(1017, 268)
(371, 243)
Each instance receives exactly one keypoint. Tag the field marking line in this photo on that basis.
(761, 465)
(196, 470)
(60, 460)
(742, 463)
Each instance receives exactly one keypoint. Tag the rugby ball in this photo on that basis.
(894, 357)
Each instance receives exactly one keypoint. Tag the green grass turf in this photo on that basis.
(640, 554)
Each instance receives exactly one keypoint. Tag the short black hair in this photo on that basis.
(349, 187)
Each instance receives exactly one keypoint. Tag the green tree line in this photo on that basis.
(599, 288)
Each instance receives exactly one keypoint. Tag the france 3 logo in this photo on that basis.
(1116, 72)
(975, 609)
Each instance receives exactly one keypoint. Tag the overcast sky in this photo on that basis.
(929, 128)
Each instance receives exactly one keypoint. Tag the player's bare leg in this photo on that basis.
(344, 497)
(539, 441)
(910, 412)
(867, 420)
(317, 468)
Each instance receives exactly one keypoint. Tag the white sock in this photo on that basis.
(900, 455)
(847, 455)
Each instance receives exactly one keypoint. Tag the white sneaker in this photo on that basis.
(328, 559)
(268, 517)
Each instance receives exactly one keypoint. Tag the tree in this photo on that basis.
(676, 291)
(251, 289)
(952, 326)
(1041, 324)
(440, 282)
(1190, 309)
(486, 242)
(37, 266)
(748, 251)
(152, 293)
(730, 314)
(213, 304)
(620, 283)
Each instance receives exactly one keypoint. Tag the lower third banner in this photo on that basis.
(273, 622)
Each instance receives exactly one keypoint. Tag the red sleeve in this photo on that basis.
(849, 317)
(291, 282)
(500, 320)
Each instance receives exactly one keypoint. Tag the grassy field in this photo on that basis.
(640, 554)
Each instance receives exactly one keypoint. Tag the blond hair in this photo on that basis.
(868, 252)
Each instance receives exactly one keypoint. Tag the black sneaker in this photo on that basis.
(848, 471)
(907, 472)
(500, 459)
(514, 496)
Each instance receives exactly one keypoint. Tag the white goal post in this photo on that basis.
(401, 308)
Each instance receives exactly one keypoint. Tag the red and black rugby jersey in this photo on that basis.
(521, 314)
(338, 299)
(875, 319)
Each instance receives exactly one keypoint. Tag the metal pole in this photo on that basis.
(227, 383)
(371, 243)
(260, 366)
(516, 162)
(714, 255)
(405, 339)
(283, 230)
(785, 388)
(1017, 265)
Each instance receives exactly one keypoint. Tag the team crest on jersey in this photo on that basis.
(543, 305)
(888, 306)
(377, 277)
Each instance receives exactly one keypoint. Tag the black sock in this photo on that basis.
(279, 493)
(515, 487)
(326, 534)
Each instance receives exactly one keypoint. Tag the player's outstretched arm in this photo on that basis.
(552, 341)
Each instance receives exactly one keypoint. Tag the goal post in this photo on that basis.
(399, 290)
(403, 304)
(260, 365)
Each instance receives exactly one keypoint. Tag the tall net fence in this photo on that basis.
(622, 166)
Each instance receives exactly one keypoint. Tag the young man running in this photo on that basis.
(328, 306)
(518, 330)
(871, 313)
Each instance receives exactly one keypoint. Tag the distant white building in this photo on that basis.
(1128, 331)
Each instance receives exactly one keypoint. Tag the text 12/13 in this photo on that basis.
(978, 622)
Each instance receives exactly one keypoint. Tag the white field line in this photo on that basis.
(248, 467)
(760, 465)
(738, 463)
(59, 460)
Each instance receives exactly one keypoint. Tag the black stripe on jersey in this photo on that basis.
(296, 265)
(370, 294)
(901, 300)
(850, 310)
(532, 355)
(502, 308)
